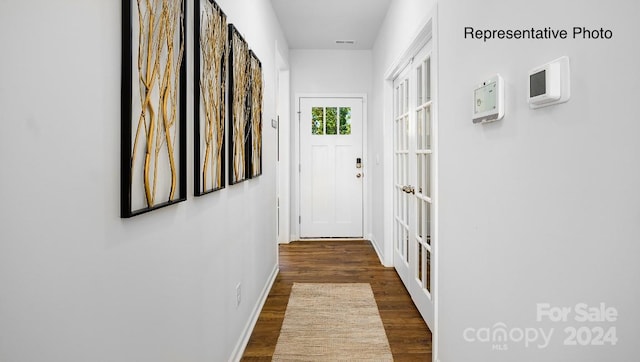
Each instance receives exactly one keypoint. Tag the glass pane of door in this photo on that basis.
(423, 152)
(401, 169)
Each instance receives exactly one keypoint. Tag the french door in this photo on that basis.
(413, 178)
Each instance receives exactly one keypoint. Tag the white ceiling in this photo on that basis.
(317, 24)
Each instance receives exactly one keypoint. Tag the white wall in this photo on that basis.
(78, 283)
(330, 71)
(543, 206)
(324, 72)
(405, 18)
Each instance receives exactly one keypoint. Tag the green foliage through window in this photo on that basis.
(332, 120)
(345, 120)
(317, 120)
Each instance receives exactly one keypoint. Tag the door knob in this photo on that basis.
(358, 175)
(409, 189)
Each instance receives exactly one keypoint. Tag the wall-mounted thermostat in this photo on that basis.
(549, 83)
(488, 100)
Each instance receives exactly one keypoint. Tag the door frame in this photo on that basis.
(428, 32)
(283, 122)
(295, 167)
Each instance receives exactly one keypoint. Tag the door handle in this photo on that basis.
(358, 175)
(409, 189)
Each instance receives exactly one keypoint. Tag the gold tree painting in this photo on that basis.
(153, 105)
(256, 115)
(210, 61)
(239, 106)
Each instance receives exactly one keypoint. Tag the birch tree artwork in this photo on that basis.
(239, 105)
(256, 115)
(211, 36)
(153, 105)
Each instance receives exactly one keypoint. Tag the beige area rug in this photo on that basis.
(332, 322)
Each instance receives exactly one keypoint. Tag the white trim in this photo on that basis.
(375, 247)
(387, 174)
(332, 239)
(284, 163)
(283, 114)
(238, 351)
(435, 58)
(419, 41)
(295, 230)
(366, 212)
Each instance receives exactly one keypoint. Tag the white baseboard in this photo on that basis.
(238, 351)
(375, 247)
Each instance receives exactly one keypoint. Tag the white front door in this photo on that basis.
(413, 179)
(331, 167)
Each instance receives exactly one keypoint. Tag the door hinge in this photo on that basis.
(299, 167)
(299, 219)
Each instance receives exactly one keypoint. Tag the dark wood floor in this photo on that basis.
(342, 262)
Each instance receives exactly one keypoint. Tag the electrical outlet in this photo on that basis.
(238, 294)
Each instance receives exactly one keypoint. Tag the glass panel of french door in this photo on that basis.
(423, 154)
(401, 171)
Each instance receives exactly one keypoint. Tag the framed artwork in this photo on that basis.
(210, 87)
(255, 166)
(153, 119)
(239, 107)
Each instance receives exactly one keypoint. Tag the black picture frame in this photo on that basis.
(153, 177)
(256, 99)
(210, 90)
(239, 108)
